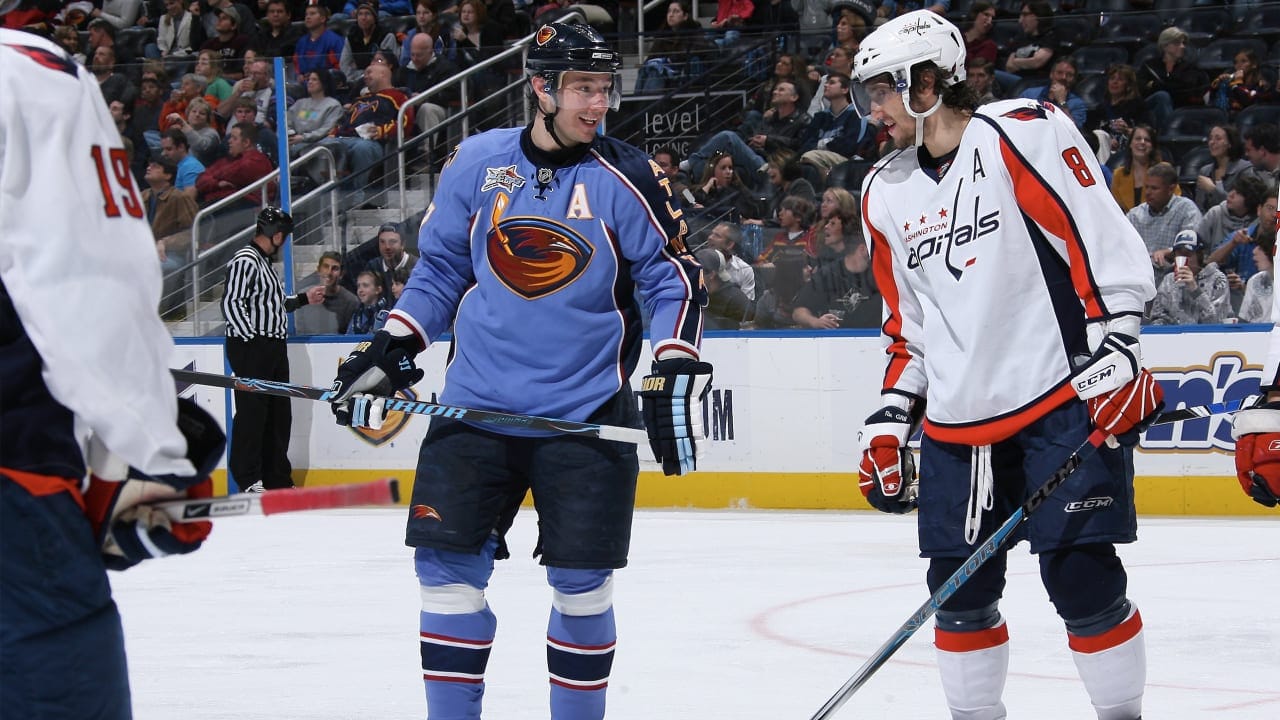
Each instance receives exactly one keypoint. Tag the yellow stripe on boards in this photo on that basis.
(1163, 495)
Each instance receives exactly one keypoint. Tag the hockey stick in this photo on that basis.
(417, 407)
(378, 492)
(962, 575)
(997, 540)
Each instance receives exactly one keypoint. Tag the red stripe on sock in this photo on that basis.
(449, 678)
(585, 688)
(1116, 636)
(948, 641)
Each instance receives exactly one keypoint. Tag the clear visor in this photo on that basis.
(878, 90)
(591, 90)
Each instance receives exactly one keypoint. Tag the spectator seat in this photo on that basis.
(1097, 58)
(1189, 126)
(1261, 22)
(1204, 24)
(1092, 89)
(1190, 163)
(1257, 115)
(1219, 55)
(1129, 31)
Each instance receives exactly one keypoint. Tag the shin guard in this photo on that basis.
(1113, 666)
(580, 642)
(973, 666)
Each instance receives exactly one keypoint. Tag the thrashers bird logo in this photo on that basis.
(534, 256)
(423, 512)
(545, 33)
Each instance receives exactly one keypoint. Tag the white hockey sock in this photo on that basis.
(1113, 666)
(973, 667)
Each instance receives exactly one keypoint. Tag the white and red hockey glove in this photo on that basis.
(1122, 396)
(1257, 435)
(887, 472)
(127, 529)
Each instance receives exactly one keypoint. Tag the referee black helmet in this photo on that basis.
(272, 220)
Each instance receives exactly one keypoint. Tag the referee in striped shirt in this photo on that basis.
(254, 306)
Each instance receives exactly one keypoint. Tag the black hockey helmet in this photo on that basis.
(558, 47)
(272, 220)
(561, 47)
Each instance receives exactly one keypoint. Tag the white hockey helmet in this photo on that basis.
(902, 43)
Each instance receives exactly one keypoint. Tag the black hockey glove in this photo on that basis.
(672, 402)
(380, 365)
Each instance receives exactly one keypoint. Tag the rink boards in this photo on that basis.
(784, 416)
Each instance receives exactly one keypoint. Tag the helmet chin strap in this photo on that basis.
(906, 103)
(548, 118)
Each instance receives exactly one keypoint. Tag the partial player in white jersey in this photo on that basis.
(84, 388)
(1013, 294)
(1257, 430)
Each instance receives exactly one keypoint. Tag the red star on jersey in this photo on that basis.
(906, 226)
(942, 213)
(923, 219)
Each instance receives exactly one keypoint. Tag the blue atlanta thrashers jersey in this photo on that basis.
(992, 265)
(535, 266)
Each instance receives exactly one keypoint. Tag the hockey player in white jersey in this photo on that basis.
(1257, 430)
(84, 386)
(1013, 291)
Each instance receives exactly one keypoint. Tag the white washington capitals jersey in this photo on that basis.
(990, 272)
(79, 262)
(535, 268)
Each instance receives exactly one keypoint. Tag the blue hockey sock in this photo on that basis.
(457, 629)
(455, 651)
(579, 659)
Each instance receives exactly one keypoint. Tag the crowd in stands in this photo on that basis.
(1178, 100)
(1183, 123)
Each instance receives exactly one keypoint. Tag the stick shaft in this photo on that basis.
(985, 551)
(378, 492)
(415, 407)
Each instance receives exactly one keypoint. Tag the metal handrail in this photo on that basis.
(197, 255)
(518, 47)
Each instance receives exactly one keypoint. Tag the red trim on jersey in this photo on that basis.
(1003, 427)
(958, 642)
(41, 485)
(1038, 200)
(882, 270)
(1115, 637)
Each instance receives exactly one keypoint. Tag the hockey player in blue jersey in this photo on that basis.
(89, 424)
(531, 250)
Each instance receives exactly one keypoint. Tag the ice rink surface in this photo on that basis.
(743, 615)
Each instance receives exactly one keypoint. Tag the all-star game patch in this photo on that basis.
(505, 178)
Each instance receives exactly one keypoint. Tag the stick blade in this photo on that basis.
(385, 491)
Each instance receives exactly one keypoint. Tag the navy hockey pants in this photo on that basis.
(61, 644)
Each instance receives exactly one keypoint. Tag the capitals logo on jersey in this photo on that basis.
(938, 237)
(534, 256)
